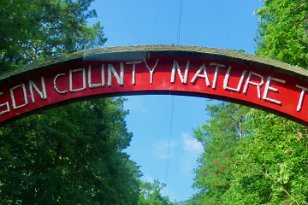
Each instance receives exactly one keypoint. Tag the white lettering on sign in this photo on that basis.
(96, 85)
(55, 84)
(151, 70)
(268, 88)
(199, 75)
(42, 93)
(301, 97)
(217, 66)
(24, 92)
(134, 63)
(177, 68)
(254, 87)
(6, 105)
(249, 82)
(83, 75)
(113, 71)
(226, 81)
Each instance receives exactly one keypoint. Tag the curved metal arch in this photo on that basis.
(157, 69)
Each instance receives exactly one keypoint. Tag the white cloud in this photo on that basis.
(191, 145)
(192, 150)
(163, 149)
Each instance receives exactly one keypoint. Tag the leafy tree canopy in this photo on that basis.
(150, 194)
(68, 155)
(36, 30)
(283, 31)
(250, 156)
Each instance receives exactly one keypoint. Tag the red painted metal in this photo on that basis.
(160, 72)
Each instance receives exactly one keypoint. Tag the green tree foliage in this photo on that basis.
(283, 31)
(269, 163)
(266, 165)
(35, 30)
(220, 138)
(69, 155)
(272, 162)
(150, 194)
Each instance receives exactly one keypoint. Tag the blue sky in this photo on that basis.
(223, 24)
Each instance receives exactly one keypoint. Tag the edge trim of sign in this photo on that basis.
(283, 67)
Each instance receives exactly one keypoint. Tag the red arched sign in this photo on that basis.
(257, 82)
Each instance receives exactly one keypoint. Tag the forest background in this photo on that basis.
(74, 154)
